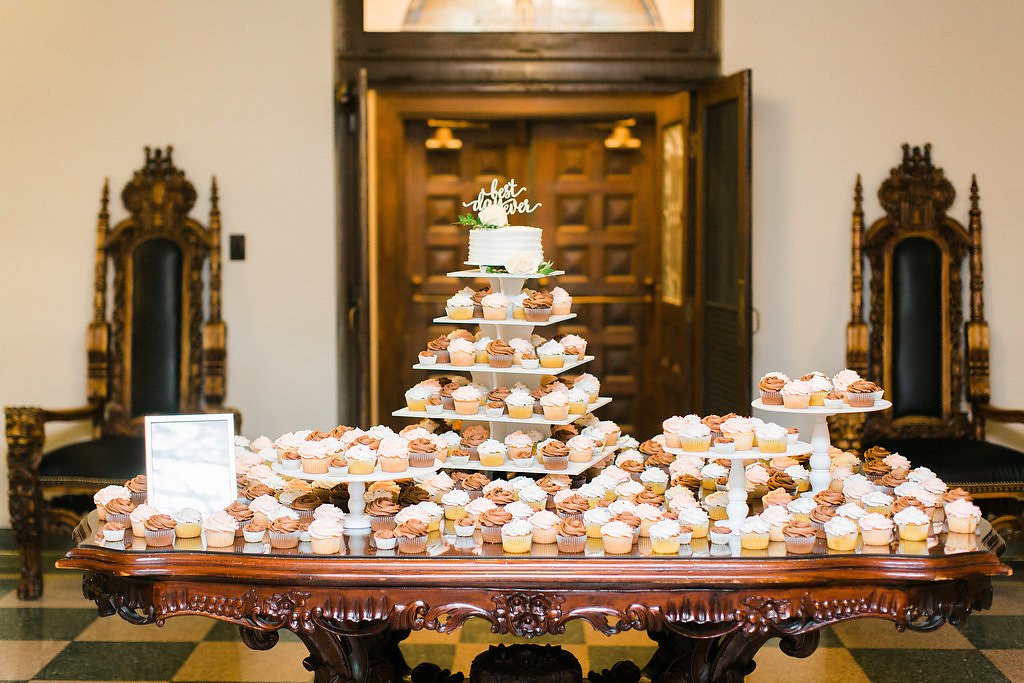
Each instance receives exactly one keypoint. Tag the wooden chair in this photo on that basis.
(914, 341)
(153, 354)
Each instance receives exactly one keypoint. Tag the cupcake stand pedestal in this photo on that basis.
(499, 427)
(737, 508)
(356, 521)
(821, 477)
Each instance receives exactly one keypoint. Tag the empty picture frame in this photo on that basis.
(190, 462)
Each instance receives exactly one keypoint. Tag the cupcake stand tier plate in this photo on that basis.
(821, 477)
(510, 285)
(503, 419)
(572, 469)
(737, 508)
(356, 521)
(514, 370)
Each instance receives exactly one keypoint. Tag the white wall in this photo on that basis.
(244, 90)
(838, 87)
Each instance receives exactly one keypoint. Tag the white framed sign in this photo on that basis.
(190, 462)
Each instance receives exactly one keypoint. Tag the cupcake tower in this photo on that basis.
(508, 256)
(510, 286)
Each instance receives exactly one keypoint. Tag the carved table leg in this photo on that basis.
(337, 658)
(729, 658)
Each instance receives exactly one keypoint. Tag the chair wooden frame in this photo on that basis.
(915, 197)
(158, 199)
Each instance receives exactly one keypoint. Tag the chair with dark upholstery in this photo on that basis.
(153, 354)
(913, 343)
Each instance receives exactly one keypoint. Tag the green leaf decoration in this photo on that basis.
(470, 221)
(546, 268)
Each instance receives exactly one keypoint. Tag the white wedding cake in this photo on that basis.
(493, 243)
(495, 246)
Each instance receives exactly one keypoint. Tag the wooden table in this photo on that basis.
(709, 609)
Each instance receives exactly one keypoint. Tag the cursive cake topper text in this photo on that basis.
(504, 196)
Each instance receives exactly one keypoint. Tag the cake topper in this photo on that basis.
(494, 205)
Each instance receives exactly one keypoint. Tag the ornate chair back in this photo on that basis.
(913, 343)
(155, 354)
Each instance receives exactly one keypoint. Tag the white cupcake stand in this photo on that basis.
(356, 521)
(821, 476)
(737, 509)
(510, 285)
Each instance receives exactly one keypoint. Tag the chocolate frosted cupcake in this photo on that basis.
(555, 455)
(499, 354)
(771, 388)
(422, 453)
(137, 486)
(863, 393)
(412, 536)
(572, 535)
(159, 530)
(800, 537)
(242, 515)
(284, 533)
(491, 521)
(573, 505)
(382, 513)
(537, 306)
(819, 516)
(305, 504)
(440, 348)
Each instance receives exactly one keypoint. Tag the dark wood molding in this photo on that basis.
(528, 61)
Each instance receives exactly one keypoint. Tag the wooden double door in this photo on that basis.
(621, 222)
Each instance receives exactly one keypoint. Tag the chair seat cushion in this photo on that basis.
(109, 459)
(962, 461)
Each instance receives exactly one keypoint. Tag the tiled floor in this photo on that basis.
(60, 638)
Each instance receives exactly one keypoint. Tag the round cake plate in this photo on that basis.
(737, 509)
(820, 442)
(356, 521)
(476, 272)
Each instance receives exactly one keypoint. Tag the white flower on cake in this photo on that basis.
(494, 214)
(522, 264)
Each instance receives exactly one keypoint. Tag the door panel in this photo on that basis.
(670, 365)
(427, 245)
(723, 244)
(597, 209)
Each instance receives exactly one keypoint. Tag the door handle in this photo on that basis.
(416, 281)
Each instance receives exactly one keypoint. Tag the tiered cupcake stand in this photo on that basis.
(510, 285)
(821, 477)
(356, 521)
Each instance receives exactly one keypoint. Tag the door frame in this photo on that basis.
(386, 114)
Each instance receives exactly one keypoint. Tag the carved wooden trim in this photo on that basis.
(352, 633)
(690, 613)
(25, 432)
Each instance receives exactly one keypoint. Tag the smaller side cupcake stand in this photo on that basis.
(356, 521)
(737, 509)
(821, 477)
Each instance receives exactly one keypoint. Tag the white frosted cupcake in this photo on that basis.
(325, 535)
(665, 537)
(962, 516)
(517, 536)
(460, 307)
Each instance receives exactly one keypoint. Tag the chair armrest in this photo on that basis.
(25, 432)
(989, 412)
